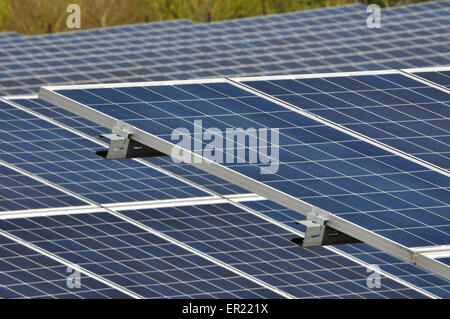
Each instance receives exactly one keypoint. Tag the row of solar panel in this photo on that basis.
(209, 30)
(276, 22)
(434, 284)
(252, 258)
(238, 55)
(438, 287)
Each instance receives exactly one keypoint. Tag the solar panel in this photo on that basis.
(25, 273)
(64, 158)
(320, 166)
(21, 192)
(388, 107)
(133, 258)
(264, 250)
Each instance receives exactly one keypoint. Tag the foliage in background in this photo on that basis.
(34, 16)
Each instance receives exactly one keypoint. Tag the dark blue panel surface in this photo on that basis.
(133, 258)
(20, 192)
(325, 167)
(400, 269)
(392, 108)
(25, 273)
(68, 160)
(264, 250)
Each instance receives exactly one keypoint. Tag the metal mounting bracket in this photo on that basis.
(121, 145)
(319, 234)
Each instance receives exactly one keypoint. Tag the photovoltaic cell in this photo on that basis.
(265, 251)
(350, 178)
(390, 108)
(133, 258)
(69, 161)
(20, 192)
(438, 77)
(24, 273)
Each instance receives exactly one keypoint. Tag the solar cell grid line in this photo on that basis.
(19, 191)
(261, 249)
(87, 129)
(140, 261)
(237, 207)
(84, 52)
(30, 272)
(388, 264)
(400, 237)
(66, 159)
(390, 108)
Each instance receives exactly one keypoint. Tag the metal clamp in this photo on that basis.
(319, 234)
(121, 145)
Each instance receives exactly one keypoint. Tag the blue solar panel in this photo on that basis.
(391, 108)
(133, 258)
(85, 126)
(68, 160)
(438, 77)
(25, 273)
(20, 192)
(235, 48)
(350, 178)
(265, 251)
(445, 260)
(400, 269)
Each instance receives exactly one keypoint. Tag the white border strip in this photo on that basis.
(428, 69)
(311, 76)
